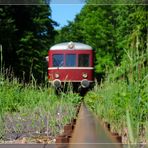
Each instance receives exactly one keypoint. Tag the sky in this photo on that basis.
(65, 10)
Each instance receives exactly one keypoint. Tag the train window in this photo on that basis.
(70, 60)
(83, 60)
(58, 60)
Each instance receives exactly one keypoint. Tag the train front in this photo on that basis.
(70, 62)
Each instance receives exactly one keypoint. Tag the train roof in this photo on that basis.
(71, 45)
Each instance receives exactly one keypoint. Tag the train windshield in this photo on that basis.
(58, 60)
(83, 60)
(70, 60)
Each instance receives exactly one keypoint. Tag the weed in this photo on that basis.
(122, 98)
(31, 109)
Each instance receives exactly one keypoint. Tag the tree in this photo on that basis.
(7, 31)
(31, 32)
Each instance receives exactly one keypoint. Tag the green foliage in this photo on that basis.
(122, 99)
(74, 98)
(26, 34)
(25, 108)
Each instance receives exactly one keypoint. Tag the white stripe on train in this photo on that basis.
(53, 68)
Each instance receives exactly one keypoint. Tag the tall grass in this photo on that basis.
(33, 109)
(122, 99)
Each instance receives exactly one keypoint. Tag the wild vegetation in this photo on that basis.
(122, 100)
(118, 33)
(30, 110)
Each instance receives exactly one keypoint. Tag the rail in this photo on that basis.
(88, 132)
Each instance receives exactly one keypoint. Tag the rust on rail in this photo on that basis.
(90, 132)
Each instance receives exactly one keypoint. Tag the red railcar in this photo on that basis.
(70, 62)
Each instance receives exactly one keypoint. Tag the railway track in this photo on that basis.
(88, 132)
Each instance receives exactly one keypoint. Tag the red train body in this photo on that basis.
(70, 62)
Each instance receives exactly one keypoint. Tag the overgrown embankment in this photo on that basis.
(29, 111)
(122, 99)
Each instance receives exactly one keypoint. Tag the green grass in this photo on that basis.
(123, 105)
(34, 108)
(122, 99)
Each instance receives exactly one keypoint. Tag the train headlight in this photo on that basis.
(71, 45)
(84, 75)
(56, 75)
